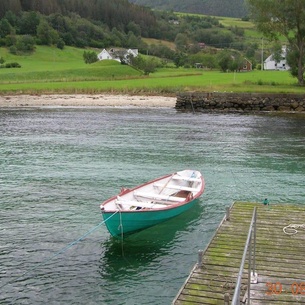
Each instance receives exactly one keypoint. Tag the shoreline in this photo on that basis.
(83, 100)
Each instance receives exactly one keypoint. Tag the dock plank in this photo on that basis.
(279, 258)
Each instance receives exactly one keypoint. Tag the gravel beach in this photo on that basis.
(82, 100)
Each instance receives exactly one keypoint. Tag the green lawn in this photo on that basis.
(232, 22)
(52, 64)
(52, 70)
(47, 58)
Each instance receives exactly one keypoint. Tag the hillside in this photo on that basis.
(119, 14)
(227, 8)
(53, 64)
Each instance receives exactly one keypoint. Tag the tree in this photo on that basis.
(132, 40)
(283, 17)
(224, 60)
(46, 34)
(181, 41)
(90, 57)
(147, 65)
(25, 44)
(179, 59)
(11, 18)
(60, 44)
(206, 60)
(5, 28)
(28, 23)
(277, 52)
(134, 28)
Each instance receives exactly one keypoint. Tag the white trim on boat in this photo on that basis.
(129, 204)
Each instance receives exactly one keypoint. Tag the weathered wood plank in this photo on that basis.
(279, 258)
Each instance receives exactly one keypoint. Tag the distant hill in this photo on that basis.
(227, 8)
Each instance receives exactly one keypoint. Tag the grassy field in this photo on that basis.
(168, 44)
(50, 70)
(232, 22)
(52, 64)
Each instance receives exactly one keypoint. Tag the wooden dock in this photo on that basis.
(280, 258)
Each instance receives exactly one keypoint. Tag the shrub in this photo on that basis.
(60, 44)
(25, 43)
(260, 82)
(13, 50)
(90, 57)
(12, 65)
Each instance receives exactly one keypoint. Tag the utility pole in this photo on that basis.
(262, 59)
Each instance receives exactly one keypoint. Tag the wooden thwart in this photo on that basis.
(186, 179)
(177, 187)
(158, 196)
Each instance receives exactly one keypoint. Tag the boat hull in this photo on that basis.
(121, 223)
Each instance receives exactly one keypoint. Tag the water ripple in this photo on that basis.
(57, 165)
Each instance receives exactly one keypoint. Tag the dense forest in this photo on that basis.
(228, 8)
(114, 13)
(118, 23)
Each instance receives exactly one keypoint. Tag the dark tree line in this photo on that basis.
(229, 8)
(60, 30)
(114, 13)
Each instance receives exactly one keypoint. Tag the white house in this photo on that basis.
(117, 54)
(133, 52)
(104, 55)
(271, 64)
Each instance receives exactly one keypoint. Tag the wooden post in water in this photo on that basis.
(227, 213)
(200, 255)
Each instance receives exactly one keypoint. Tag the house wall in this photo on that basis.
(247, 66)
(104, 55)
(270, 64)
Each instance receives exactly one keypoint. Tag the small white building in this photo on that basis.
(104, 55)
(271, 64)
(117, 54)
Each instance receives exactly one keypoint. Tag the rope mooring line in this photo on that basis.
(292, 228)
(61, 251)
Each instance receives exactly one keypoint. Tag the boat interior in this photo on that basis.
(163, 193)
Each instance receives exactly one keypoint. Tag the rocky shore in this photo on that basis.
(186, 101)
(240, 102)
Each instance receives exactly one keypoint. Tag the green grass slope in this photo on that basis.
(50, 70)
(52, 64)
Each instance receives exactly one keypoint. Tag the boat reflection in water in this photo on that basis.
(132, 253)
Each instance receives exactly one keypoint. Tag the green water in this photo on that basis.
(58, 164)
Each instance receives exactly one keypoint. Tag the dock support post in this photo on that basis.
(200, 255)
(227, 213)
(226, 299)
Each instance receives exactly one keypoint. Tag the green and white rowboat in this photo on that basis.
(153, 202)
